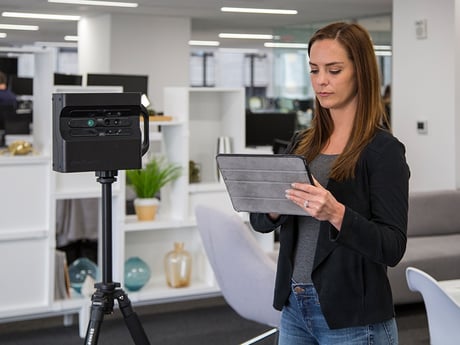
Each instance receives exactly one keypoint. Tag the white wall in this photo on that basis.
(154, 45)
(144, 45)
(94, 44)
(456, 72)
(424, 89)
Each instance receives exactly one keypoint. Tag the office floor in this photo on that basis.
(201, 322)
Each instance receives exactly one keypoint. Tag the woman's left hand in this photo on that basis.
(317, 201)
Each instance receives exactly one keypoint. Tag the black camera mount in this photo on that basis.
(101, 133)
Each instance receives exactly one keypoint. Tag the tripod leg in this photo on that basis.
(131, 319)
(94, 325)
(101, 303)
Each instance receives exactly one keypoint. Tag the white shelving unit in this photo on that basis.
(200, 116)
(28, 184)
(26, 234)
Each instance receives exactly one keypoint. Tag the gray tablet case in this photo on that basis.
(257, 183)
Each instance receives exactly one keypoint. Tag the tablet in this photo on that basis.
(258, 183)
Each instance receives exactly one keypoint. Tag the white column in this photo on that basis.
(42, 103)
(142, 45)
(425, 83)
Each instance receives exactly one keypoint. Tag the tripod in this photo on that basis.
(107, 291)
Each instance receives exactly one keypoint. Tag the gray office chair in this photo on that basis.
(244, 272)
(442, 311)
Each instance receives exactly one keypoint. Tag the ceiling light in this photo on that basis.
(286, 45)
(18, 27)
(257, 10)
(383, 53)
(40, 16)
(72, 38)
(246, 36)
(382, 47)
(2, 35)
(204, 43)
(239, 50)
(96, 3)
(56, 44)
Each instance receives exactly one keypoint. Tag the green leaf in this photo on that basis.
(147, 182)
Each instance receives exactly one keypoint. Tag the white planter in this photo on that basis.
(146, 208)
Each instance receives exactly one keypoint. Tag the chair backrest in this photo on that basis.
(442, 311)
(244, 272)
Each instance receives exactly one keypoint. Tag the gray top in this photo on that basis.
(320, 168)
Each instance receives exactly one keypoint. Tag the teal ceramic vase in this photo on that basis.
(137, 273)
(79, 269)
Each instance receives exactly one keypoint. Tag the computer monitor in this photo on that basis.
(21, 86)
(262, 129)
(67, 79)
(9, 65)
(130, 83)
(259, 91)
(304, 104)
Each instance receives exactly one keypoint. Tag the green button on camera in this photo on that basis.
(91, 123)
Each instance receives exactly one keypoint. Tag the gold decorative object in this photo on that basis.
(178, 266)
(20, 147)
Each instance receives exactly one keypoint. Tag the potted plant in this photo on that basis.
(147, 183)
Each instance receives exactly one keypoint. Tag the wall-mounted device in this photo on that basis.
(98, 131)
(422, 127)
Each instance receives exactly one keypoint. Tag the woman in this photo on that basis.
(331, 280)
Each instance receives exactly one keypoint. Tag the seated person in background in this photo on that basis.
(6, 96)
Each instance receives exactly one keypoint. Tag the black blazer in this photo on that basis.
(350, 266)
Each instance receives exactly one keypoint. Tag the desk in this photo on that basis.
(452, 288)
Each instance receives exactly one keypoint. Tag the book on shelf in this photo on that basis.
(62, 279)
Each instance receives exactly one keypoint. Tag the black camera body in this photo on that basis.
(98, 131)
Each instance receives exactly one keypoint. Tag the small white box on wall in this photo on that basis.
(421, 29)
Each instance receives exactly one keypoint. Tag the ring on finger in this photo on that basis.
(305, 204)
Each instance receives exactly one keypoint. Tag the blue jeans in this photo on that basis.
(303, 323)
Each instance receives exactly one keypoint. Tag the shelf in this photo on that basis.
(172, 122)
(77, 194)
(28, 234)
(206, 187)
(81, 194)
(162, 292)
(155, 289)
(71, 304)
(6, 160)
(80, 185)
(132, 224)
(58, 307)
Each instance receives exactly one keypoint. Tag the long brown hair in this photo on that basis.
(370, 114)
